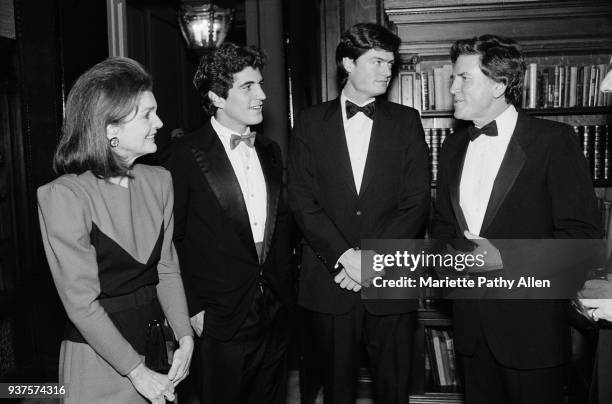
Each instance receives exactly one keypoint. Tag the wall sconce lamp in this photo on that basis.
(204, 25)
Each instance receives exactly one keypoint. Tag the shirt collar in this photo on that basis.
(506, 122)
(225, 133)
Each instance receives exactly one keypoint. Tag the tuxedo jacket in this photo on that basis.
(543, 190)
(219, 263)
(393, 201)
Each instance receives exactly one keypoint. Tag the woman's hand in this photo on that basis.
(181, 360)
(152, 385)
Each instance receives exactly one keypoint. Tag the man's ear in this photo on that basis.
(499, 88)
(217, 101)
(348, 64)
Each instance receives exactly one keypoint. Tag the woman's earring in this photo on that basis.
(114, 141)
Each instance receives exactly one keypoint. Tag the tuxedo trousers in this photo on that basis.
(488, 381)
(339, 340)
(251, 367)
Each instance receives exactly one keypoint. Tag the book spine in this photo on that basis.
(587, 146)
(425, 91)
(566, 87)
(432, 92)
(573, 86)
(438, 73)
(556, 88)
(597, 152)
(606, 173)
(533, 93)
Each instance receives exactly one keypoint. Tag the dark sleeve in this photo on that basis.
(316, 226)
(284, 230)
(413, 209)
(181, 163)
(170, 289)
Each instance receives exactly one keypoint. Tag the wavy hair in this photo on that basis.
(501, 59)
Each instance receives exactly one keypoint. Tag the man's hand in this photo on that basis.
(346, 282)
(598, 309)
(351, 261)
(197, 323)
(492, 257)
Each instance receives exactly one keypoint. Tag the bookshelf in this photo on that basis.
(556, 35)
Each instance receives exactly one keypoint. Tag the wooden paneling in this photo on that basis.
(154, 39)
(336, 17)
(264, 28)
(540, 26)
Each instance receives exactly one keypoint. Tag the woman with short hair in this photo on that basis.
(107, 226)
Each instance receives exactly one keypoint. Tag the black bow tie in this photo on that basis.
(489, 129)
(248, 140)
(352, 109)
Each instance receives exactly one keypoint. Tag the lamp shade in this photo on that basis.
(203, 24)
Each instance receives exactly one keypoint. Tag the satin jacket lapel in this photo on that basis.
(338, 149)
(217, 169)
(455, 170)
(382, 125)
(511, 166)
(272, 169)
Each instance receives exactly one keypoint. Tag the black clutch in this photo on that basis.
(159, 347)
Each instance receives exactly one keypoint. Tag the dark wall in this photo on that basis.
(57, 40)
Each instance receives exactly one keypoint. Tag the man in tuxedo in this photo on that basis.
(231, 234)
(358, 169)
(509, 176)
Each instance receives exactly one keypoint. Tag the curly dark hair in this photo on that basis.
(359, 39)
(106, 94)
(501, 59)
(216, 70)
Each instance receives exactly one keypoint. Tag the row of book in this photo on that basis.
(595, 142)
(440, 358)
(564, 86)
(557, 86)
(435, 89)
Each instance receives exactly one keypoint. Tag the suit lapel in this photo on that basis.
(382, 124)
(336, 140)
(217, 169)
(454, 178)
(272, 170)
(511, 166)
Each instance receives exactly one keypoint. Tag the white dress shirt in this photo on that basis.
(358, 131)
(483, 158)
(247, 168)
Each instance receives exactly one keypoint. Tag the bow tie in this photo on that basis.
(352, 109)
(489, 129)
(248, 140)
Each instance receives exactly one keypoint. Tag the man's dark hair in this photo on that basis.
(359, 39)
(106, 94)
(501, 60)
(216, 70)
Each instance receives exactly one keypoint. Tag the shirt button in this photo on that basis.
(247, 167)
(255, 224)
(252, 196)
(358, 213)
